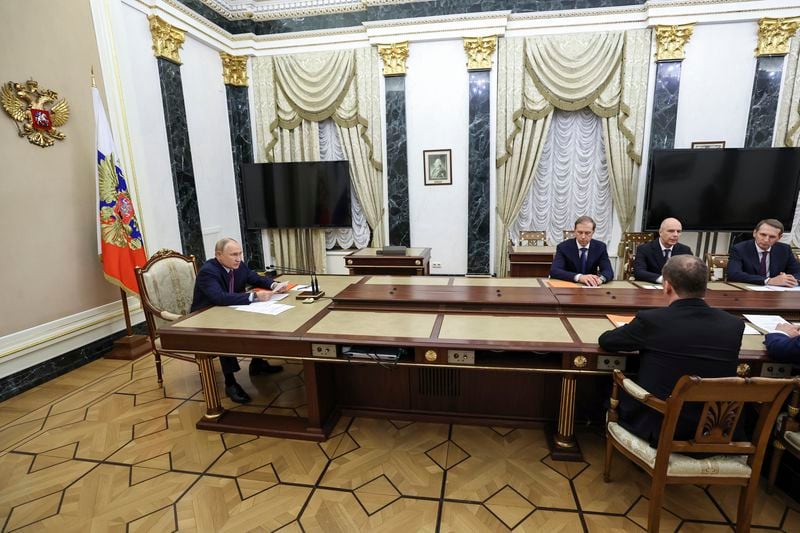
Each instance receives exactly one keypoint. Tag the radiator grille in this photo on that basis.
(439, 382)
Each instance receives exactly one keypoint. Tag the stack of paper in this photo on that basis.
(265, 308)
(766, 323)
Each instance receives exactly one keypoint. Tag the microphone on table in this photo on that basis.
(314, 293)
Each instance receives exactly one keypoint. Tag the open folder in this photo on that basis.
(561, 283)
(620, 320)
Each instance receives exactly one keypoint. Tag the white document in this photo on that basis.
(759, 288)
(750, 330)
(765, 322)
(781, 289)
(264, 308)
(659, 287)
(277, 297)
(301, 287)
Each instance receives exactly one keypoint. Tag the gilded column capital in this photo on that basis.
(394, 58)
(774, 35)
(167, 39)
(671, 40)
(234, 69)
(479, 52)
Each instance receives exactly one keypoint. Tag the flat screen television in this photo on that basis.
(722, 189)
(297, 195)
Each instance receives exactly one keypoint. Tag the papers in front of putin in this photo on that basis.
(265, 308)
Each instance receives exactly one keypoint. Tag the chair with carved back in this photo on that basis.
(717, 261)
(631, 240)
(532, 238)
(166, 288)
(787, 438)
(568, 234)
(730, 463)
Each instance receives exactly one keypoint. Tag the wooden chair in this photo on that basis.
(166, 288)
(714, 261)
(569, 234)
(631, 240)
(532, 238)
(788, 438)
(733, 463)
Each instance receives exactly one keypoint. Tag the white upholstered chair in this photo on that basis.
(729, 462)
(166, 288)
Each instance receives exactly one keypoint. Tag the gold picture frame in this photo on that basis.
(438, 167)
(708, 144)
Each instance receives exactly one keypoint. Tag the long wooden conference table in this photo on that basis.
(499, 352)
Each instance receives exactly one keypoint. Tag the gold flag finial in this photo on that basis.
(479, 52)
(774, 35)
(167, 39)
(234, 69)
(671, 40)
(394, 58)
(92, 72)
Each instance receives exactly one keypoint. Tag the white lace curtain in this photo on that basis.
(330, 149)
(606, 72)
(571, 179)
(787, 131)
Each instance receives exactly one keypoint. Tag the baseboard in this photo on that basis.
(31, 347)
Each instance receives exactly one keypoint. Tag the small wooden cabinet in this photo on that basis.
(531, 261)
(366, 261)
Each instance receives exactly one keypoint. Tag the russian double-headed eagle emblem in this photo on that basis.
(37, 112)
(117, 220)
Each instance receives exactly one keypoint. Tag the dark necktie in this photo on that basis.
(583, 260)
(230, 281)
(667, 252)
(762, 267)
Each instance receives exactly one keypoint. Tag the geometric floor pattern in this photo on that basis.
(103, 448)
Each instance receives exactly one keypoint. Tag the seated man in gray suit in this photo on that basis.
(650, 257)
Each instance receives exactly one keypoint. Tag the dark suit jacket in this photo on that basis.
(649, 260)
(688, 337)
(211, 285)
(744, 261)
(783, 348)
(567, 261)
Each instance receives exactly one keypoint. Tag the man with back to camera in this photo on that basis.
(651, 257)
(222, 281)
(764, 260)
(687, 337)
(783, 345)
(582, 259)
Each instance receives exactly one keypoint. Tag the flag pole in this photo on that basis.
(130, 346)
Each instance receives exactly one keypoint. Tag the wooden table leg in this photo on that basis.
(213, 408)
(322, 414)
(563, 446)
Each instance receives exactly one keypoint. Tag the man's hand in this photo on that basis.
(591, 280)
(783, 280)
(262, 295)
(789, 329)
(281, 287)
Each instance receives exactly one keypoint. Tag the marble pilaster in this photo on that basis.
(764, 102)
(665, 105)
(479, 161)
(242, 151)
(180, 157)
(397, 162)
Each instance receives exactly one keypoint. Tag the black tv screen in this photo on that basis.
(722, 189)
(297, 195)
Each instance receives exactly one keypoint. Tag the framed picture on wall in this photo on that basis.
(708, 144)
(438, 167)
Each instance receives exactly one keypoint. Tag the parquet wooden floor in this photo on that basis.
(103, 448)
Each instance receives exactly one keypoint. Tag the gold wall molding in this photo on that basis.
(394, 58)
(479, 52)
(167, 39)
(671, 40)
(234, 69)
(774, 35)
(36, 112)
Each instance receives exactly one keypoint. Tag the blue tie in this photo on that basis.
(583, 260)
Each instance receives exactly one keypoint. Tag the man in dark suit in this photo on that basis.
(650, 257)
(688, 337)
(784, 345)
(582, 259)
(764, 260)
(222, 281)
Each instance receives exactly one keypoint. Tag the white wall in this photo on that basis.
(141, 92)
(437, 114)
(716, 84)
(209, 135)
